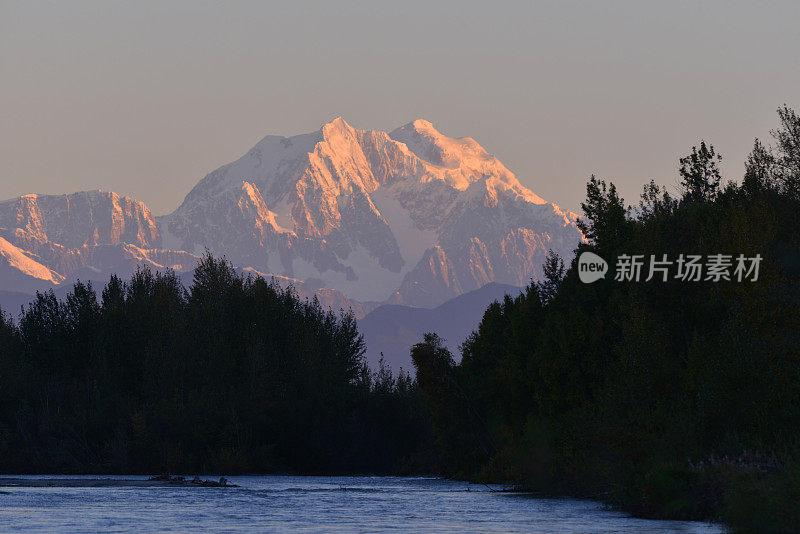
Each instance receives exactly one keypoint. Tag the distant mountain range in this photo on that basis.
(359, 217)
(391, 330)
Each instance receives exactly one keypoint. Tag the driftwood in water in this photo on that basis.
(196, 481)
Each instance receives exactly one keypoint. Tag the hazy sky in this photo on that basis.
(145, 98)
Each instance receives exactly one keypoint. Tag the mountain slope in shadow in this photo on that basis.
(394, 329)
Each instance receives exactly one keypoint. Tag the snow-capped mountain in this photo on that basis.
(411, 216)
(87, 235)
(20, 271)
(408, 217)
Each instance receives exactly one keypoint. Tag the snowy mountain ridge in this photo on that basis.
(410, 216)
(372, 214)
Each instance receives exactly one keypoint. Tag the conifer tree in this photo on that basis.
(700, 175)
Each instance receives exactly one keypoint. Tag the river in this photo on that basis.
(310, 504)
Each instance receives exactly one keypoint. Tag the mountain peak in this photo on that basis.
(365, 212)
(422, 125)
(337, 125)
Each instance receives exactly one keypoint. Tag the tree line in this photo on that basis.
(669, 399)
(231, 375)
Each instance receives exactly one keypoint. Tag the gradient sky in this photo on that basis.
(145, 98)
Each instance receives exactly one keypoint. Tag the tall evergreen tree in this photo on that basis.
(604, 214)
(787, 138)
(759, 169)
(700, 175)
(554, 272)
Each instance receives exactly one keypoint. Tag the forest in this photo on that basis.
(232, 375)
(669, 399)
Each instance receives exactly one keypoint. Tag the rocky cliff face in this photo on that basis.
(86, 218)
(87, 235)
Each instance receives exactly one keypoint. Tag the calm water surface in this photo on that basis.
(312, 504)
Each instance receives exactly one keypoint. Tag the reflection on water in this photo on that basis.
(329, 504)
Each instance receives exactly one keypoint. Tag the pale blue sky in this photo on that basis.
(145, 98)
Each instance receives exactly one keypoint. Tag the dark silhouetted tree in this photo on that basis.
(700, 176)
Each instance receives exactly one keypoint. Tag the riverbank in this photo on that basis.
(745, 493)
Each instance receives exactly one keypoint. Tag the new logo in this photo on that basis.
(591, 267)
